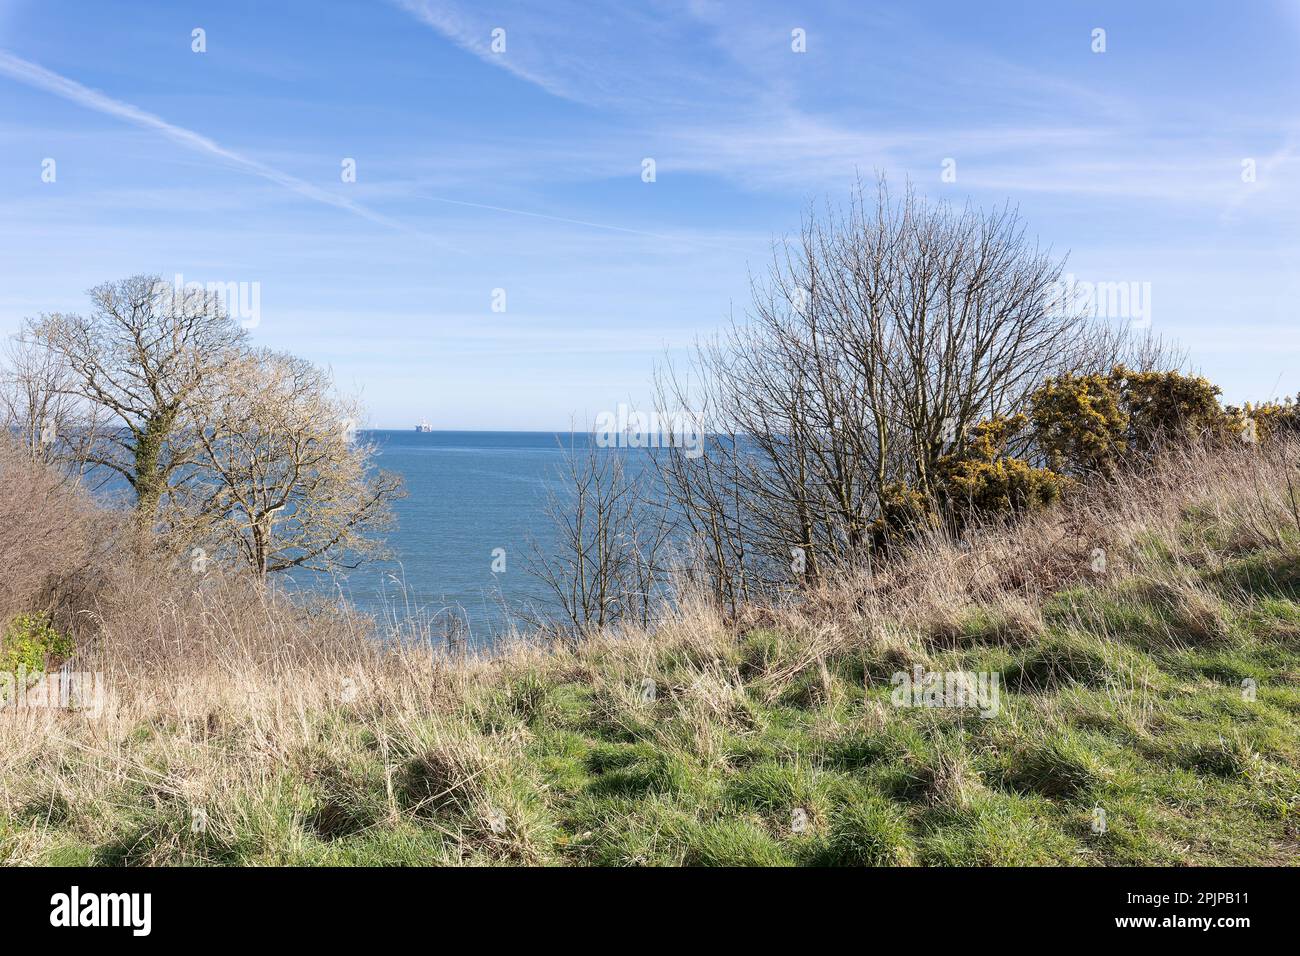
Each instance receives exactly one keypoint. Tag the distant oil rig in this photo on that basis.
(424, 427)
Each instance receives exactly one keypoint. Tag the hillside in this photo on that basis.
(1145, 638)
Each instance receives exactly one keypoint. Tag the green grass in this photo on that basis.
(1177, 717)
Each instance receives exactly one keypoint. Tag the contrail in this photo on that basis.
(450, 26)
(33, 75)
(37, 76)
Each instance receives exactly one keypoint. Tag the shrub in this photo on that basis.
(980, 481)
(1165, 407)
(983, 481)
(1079, 424)
(1265, 421)
(904, 513)
(31, 642)
(51, 537)
(1086, 425)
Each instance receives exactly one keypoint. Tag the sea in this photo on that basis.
(474, 513)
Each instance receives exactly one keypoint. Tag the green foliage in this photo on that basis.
(1084, 427)
(904, 513)
(1079, 424)
(1167, 406)
(1094, 425)
(31, 642)
(983, 481)
(1265, 421)
(979, 481)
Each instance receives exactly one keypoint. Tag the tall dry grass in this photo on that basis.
(1103, 535)
(218, 685)
(53, 541)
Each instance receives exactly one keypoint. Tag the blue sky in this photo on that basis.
(521, 170)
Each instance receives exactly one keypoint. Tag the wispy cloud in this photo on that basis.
(37, 76)
(523, 169)
(622, 59)
(459, 30)
(706, 91)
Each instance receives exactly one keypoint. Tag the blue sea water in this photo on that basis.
(468, 493)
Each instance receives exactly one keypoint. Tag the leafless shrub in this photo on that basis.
(52, 538)
(606, 567)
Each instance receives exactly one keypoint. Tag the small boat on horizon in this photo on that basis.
(424, 427)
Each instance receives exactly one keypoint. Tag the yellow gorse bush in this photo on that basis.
(1078, 428)
(1079, 424)
(983, 480)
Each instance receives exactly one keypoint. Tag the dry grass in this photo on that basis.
(1199, 509)
(243, 728)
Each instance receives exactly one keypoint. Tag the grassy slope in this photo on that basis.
(1122, 692)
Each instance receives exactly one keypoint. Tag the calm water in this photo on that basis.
(468, 493)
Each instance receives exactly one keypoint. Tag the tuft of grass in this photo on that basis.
(1059, 765)
(866, 830)
(1162, 697)
(1082, 658)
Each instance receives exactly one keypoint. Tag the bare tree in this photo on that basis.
(278, 477)
(1103, 345)
(703, 492)
(39, 408)
(876, 339)
(140, 357)
(604, 564)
